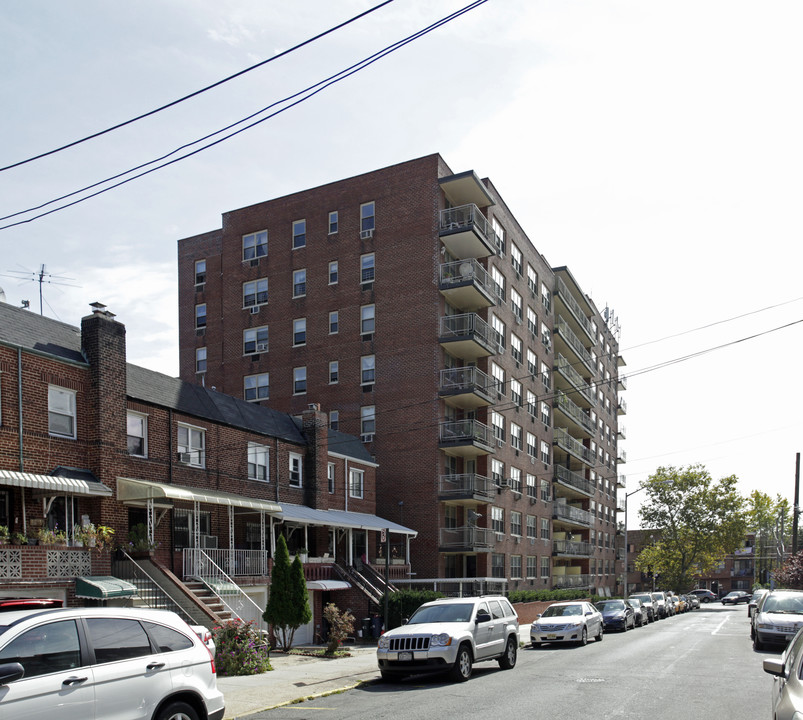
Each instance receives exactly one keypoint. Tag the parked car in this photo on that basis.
(102, 662)
(659, 600)
(646, 600)
(735, 597)
(639, 610)
(671, 605)
(757, 595)
(778, 616)
(616, 614)
(787, 688)
(705, 596)
(450, 635)
(206, 637)
(573, 622)
(693, 601)
(25, 603)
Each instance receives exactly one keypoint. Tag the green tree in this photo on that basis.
(288, 603)
(697, 522)
(771, 521)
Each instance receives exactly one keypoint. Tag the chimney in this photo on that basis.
(316, 431)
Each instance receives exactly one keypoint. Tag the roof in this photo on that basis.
(350, 446)
(26, 329)
(340, 518)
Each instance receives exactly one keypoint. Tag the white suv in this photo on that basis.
(105, 662)
(450, 635)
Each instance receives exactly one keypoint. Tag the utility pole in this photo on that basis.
(796, 510)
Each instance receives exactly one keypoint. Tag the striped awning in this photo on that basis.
(54, 484)
(103, 587)
(341, 518)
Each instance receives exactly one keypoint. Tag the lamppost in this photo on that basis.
(627, 495)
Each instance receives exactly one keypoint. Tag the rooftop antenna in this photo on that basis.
(41, 276)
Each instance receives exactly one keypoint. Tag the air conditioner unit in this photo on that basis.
(532, 541)
(262, 347)
(255, 310)
(500, 537)
(366, 234)
(504, 482)
(533, 501)
(517, 539)
(500, 443)
(185, 458)
(209, 541)
(367, 437)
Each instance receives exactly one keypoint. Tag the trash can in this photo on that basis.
(366, 627)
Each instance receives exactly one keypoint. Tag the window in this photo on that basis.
(200, 316)
(531, 445)
(334, 419)
(532, 363)
(333, 222)
(356, 483)
(531, 403)
(256, 387)
(450, 516)
(515, 566)
(498, 375)
(334, 322)
(367, 268)
(545, 528)
(299, 380)
(497, 519)
(515, 523)
(515, 479)
(61, 411)
(516, 348)
(544, 566)
(497, 565)
(183, 521)
(532, 280)
(546, 297)
(367, 420)
(299, 233)
(532, 567)
(200, 272)
(255, 245)
(333, 272)
(515, 258)
(367, 216)
(296, 463)
(367, 319)
(368, 369)
(532, 322)
(299, 283)
(255, 293)
(255, 340)
(137, 432)
(498, 282)
(515, 392)
(546, 413)
(545, 452)
(258, 462)
(49, 648)
(191, 445)
(499, 332)
(499, 236)
(330, 476)
(532, 528)
(546, 336)
(546, 378)
(546, 494)
(498, 426)
(497, 471)
(516, 304)
(516, 436)
(299, 331)
(532, 492)
(200, 360)
(334, 371)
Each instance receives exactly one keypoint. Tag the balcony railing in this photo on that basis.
(466, 485)
(465, 432)
(574, 307)
(560, 582)
(467, 538)
(564, 511)
(468, 282)
(467, 381)
(458, 587)
(565, 476)
(565, 441)
(574, 343)
(466, 329)
(564, 367)
(233, 562)
(574, 411)
(572, 547)
(466, 232)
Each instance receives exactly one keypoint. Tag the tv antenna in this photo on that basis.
(42, 276)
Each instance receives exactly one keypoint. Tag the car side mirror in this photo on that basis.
(483, 617)
(588, 612)
(9, 672)
(774, 667)
(405, 620)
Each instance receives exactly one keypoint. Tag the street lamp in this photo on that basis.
(627, 495)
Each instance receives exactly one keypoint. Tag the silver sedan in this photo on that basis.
(573, 622)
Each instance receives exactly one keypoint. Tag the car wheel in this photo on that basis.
(508, 659)
(389, 677)
(462, 665)
(178, 711)
(706, 600)
(584, 636)
(536, 645)
(758, 646)
(600, 633)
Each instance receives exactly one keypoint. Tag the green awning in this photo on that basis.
(103, 587)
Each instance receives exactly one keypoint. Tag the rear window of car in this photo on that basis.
(167, 639)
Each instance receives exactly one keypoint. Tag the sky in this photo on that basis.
(654, 147)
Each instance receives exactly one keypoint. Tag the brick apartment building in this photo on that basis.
(410, 303)
(214, 480)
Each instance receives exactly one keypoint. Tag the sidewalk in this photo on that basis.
(297, 677)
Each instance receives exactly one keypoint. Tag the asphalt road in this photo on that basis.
(697, 665)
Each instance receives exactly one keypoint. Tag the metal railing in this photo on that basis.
(564, 511)
(564, 367)
(573, 341)
(572, 547)
(465, 217)
(573, 410)
(568, 300)
(232, 562)
(568, 443)
(460, 272)
(466, 484)
(467, 537)
(560, 582)
(465, 431)
(468, 324)
(459, 587)
(466, 380)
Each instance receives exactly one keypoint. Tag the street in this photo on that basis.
(700, 664)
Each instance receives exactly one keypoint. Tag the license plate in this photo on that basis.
(551, 637)
(405, 656)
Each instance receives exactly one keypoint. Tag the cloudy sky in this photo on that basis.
(653, 147)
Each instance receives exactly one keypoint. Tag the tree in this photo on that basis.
(771, 521)
(697, 522)
(791, 574)
(288, 602)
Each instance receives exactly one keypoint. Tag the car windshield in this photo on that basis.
(784, 603)
(635, 602)
(561, 610)
(442, 613)
(610, 605)
(643, 598)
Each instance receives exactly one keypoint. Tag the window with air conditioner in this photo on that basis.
(367, 218)
(255, 293)
(255, 340)
(367, 268)
(191, 445)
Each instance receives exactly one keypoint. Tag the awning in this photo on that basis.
(328, 585)
(133, 491)
(54, 485)
(103, 587)
(341, 518)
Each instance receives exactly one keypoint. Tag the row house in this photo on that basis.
(208, 481)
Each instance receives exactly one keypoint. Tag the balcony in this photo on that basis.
(577, 386)
(621, 503)
(621, 406)
(466, 539)
(466, 488)
(621, 432)
(467, 285)
(467, 336)
(572, 548)
(564, 441)
(621, 481)
(566, 514)
(621, 456)
(579, 319)
(465, 438)
(568, 342)
(466, 232)
(467, 388)
(621, 382)
(575, 483)
(565, 581)
(580, 422)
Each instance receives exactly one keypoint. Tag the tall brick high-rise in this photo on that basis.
(412, 306)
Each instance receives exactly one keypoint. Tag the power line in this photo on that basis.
(297, 98)
(197, 92)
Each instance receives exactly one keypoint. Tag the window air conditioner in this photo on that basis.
(209, 541)
(262, 347)
(255, 310)
(366, 234)
(367, 437)
(185, 458)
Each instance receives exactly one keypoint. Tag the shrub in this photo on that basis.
(523, 596)
(403, 603)
(240, 649)
(341, 625)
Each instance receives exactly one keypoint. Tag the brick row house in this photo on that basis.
(209, 479)
(410, 303)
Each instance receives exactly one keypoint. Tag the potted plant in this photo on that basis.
(17, 538)
(90, 535)
(45, 536)
(138, 541)
(4, 534)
